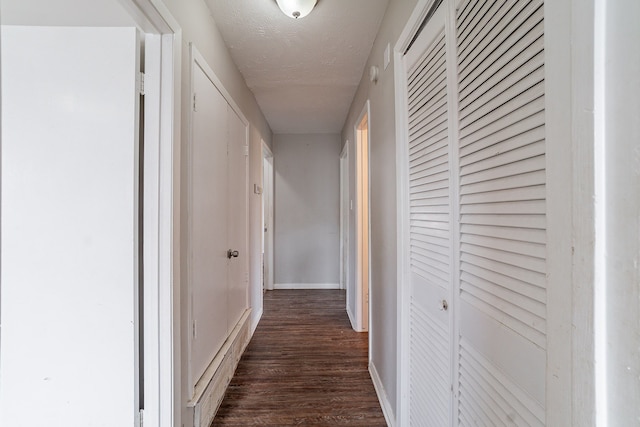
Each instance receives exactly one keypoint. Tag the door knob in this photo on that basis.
(444, 305)
(232, 254)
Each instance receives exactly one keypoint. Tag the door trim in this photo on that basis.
(569, 73)
(402, 190)
(361, 325)
(454, 205)
(344, 226)
(163, 47)
(197, 58)
(268, 188)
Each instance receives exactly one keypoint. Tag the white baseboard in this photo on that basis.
(306, 286)
(382, 396)
(211, 387)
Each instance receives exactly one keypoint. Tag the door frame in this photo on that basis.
(363, 290)
(403, 43)
(161, 198)
(344, 209)
(267, 241)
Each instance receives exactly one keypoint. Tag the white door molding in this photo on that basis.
(268, 213)
(363, 224)
(402, 190)
(344, 216)
(163, 46)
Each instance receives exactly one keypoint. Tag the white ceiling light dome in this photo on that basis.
(296, 8)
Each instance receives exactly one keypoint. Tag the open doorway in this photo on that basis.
(362, 220)
(267, 217)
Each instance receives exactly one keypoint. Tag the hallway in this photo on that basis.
(469, 171)
(303, 366)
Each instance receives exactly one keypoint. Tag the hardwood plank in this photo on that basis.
(304, 366)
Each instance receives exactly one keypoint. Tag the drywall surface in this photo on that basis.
(307, 209)
(95, 13)
(199, 28)
(382, 172)
(619, 204)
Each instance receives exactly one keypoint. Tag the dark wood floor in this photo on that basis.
(304, 366)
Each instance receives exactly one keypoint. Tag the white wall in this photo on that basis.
(593, 247)
(382, 150)
(307, 209)
(69, 233)
(618, 182)
(98, 13)
(199, 27)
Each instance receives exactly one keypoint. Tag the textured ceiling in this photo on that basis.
(304, 73)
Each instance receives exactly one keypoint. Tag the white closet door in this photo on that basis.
(238, 273)
(502, 213)
(207, 223)
(491, 255)
(430, 222)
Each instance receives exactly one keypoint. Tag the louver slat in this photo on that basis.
(485, 12)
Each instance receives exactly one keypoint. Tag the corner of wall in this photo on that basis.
(387, 408)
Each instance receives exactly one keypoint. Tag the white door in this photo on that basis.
(237, 188)
(68, 248)
(207, 223)
(217, 217)
(477, 298)
(430, 222)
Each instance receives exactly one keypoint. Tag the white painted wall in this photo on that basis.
(618, 213)
(593, 140)
(382, 298)
(307, 209)
(98, 13)
(199, 28)
(69, 201)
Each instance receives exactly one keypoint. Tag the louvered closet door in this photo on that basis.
(502, 308)
(430, 227)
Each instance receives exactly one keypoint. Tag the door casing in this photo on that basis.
(267, 215)
(362, 132)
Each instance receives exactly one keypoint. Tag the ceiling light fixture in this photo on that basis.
(296, 8)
